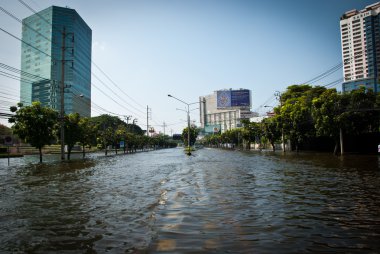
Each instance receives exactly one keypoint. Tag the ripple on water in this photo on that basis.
(216, 201)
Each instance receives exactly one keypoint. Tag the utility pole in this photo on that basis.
(127, 118)
(62, 90)
(164, 128)
(278, 97)
(147, 120)
(63, 95)
(341, 141)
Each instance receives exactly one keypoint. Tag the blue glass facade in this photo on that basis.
(45, 31)
(356, 84)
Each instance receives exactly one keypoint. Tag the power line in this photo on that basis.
(94, 104)
(117, 94)
(116, 84)
(113, 99)
(52, 59)
(24, 42)
(15, 70)
(35, 12)
(8, 75)
(20, 21)
(270, 99)
(13, 95)
(334, 83)
(324, 74)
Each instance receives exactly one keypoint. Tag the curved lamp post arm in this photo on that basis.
(188, 119)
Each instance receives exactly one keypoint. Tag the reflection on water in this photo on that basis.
(215, 201)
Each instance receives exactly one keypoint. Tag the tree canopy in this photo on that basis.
(193, 135)
(306, 113)
(35, 124)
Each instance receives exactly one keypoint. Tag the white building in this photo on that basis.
(224, 109)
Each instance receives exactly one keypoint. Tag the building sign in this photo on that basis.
(233, 98)
(246, 114)
(214, 128)
(241, 98)
(224, 99)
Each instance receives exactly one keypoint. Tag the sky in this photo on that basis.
(152, 48)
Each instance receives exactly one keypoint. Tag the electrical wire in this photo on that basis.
(26, 5)
(24, 42)
(334, 83)
(35, 12)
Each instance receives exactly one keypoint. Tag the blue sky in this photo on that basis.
(192, 48)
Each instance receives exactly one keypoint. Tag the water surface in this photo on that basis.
(215, 201)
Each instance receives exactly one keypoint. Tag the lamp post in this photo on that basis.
(266, 106)
(188, 120)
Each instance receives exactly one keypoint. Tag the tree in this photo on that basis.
(121, 135)
(73, 132)
(107, 126)
(251, 132)
(88, 130)
(105, 137)
(5, 131)
(295, 112)
(131, 141)
(232, 136)
(272, 130)
(248, 132)
(162, 141)
(193, 135)
(361, 114)
(326, 112)
(355, 113)
(212, 139)
(35, 124)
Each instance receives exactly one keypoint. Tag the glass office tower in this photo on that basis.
(56, 39)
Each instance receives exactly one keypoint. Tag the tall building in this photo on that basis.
(224, 109)
(360, 37)
(57, 39)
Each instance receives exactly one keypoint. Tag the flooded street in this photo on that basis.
(215, 201)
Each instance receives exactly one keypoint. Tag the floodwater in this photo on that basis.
(215, 201)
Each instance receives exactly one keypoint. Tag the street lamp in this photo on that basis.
(188, 120)
(268, 112)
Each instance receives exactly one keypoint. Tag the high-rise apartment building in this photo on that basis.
(360, 37)
(57, 49)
